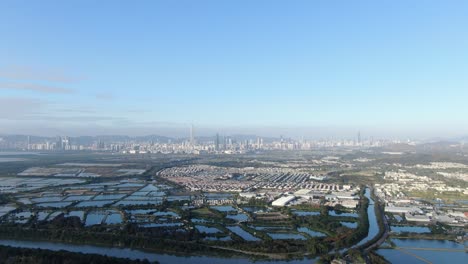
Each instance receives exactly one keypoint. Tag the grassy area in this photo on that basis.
(431, 194)
(206, 212)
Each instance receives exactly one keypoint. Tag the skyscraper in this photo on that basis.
(192, 137)
(58, 144)
(217, 142)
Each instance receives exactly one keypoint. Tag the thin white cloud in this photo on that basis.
(34, 87)
(13, 107)
(39, 74)
(73, 118)
(105, 96)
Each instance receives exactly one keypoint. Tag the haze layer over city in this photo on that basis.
(233, 131)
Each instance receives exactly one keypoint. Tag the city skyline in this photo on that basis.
(303, 69)
(183, 131)
(225, 144)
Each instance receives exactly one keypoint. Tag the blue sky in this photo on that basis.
(139, 67)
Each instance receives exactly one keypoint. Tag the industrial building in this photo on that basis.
(282, 201)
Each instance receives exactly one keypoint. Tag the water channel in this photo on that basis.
(138, 254)
(416, 251)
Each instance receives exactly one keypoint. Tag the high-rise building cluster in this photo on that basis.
(218, 144)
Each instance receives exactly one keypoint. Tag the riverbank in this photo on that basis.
(9, 254)
(138, 254)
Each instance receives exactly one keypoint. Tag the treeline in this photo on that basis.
(179, 242)
(291, 248)
(340, 236)
(119, 238)
(363, 224)
(13, 255)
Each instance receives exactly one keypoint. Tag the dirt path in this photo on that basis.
(270, 255)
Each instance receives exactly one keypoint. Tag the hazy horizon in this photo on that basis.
(308, 133)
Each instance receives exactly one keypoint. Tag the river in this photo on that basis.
(138, 254)
(419, 251)
(422, 251)
(373, 225)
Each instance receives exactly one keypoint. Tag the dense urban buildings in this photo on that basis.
(217, 144)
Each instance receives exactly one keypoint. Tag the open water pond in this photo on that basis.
(410, 229)
(310, 232)
(53, 215)
(94, 218)
(226, 208)
(137, 198)
(79, 214)
(149, 188)
(156, 194)
(281, 236)
(166, 214)
(271, 228)
(349, 224)
(333, 213)
(306, 213)
(55, 205)
(25, 201)
(109, 196)
(94, 203)
(254, 209)
(113, 218)
(140, 193)
(23, 215)
(41, 216)
(200, 220)
(238, 217)
(78, 198)
(208, 230)
(415, 250)
(146, 202)
(242, 233)
(47, 199)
